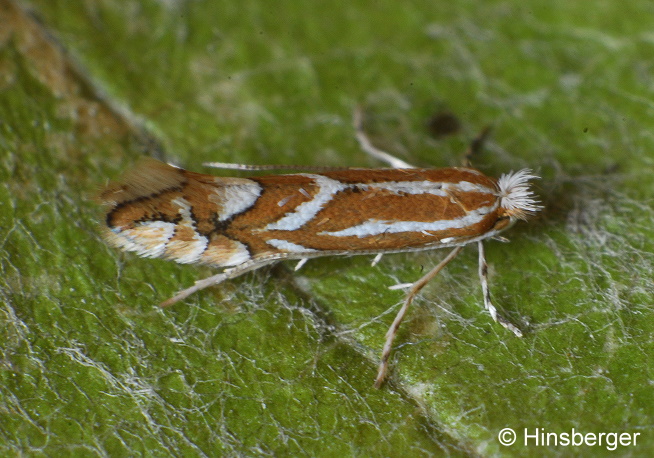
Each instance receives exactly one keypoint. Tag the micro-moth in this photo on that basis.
(242, 224)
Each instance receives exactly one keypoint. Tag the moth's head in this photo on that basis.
(517, 200)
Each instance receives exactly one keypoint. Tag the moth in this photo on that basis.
(242, 224)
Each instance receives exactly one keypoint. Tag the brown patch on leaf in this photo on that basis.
(48, 62)
(442, 124)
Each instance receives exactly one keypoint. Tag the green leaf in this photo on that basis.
(280, 362)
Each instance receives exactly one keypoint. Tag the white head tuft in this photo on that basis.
(516, 198)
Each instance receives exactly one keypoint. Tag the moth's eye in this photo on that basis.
(502, 223)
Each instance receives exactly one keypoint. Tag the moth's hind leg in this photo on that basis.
(227, 274)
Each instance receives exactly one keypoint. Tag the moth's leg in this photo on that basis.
(483, 276)
(216, 279)
(376, 260)
(300, 263)
(392, 331)
(370, 149)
